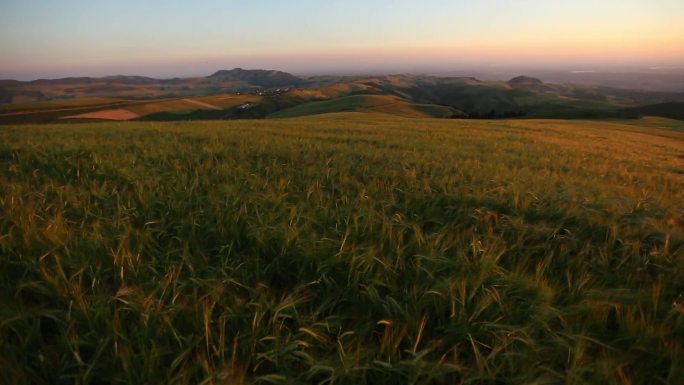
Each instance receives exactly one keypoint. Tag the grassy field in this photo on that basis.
(94, 109)
(180, 105)
(60, 103)
(342, 249)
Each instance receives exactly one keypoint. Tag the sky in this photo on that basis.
(168, 38)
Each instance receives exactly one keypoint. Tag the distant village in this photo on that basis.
(261, 92)
(266, 92)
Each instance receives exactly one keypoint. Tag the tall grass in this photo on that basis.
(341, 250)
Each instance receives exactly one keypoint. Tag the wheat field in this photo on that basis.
(342, 249)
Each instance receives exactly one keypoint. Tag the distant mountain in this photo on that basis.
(526, 80)
(123, 79)
(261, 78)
(63, 81)
(142, 87)
(528, 83)
(9, 83)
(117, 79)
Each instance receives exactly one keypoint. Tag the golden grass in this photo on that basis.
(58, 103)
(342, 249)
(113, 114)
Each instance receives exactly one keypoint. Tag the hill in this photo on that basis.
(281, 94)
(499, 99)
(670, 110)
(525, 80)
(384, 104)
(260, 78)
(140, 87)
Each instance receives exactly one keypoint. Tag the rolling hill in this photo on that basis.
(260, 78)
(383, 104)
(670, 110)
(522, 97)
(140, 87)
(277, 94)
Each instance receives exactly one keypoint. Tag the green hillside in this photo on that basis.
(670, 110)
(260, 78)
(383, 104)
(60, 103)
(497, 100)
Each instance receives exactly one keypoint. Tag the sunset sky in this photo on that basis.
(56, 38)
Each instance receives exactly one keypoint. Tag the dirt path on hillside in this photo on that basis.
(202, 104)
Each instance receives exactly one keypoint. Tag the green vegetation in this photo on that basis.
(670, 110)
(342, 249)
(656, 122)
(382, 104)
(496, 100)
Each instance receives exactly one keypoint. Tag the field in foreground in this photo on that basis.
(342, 249)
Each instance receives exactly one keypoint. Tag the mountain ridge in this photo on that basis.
(258, 77)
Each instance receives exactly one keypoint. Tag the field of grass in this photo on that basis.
(161, 106)
(229, 101)
(60, 103)
(183, 105)
(108, 108)
(656, 122)
(342, 249)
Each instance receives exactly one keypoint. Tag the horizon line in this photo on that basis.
(437, 72)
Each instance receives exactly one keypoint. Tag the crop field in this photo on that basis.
(59, 103)
(221, 101)
(342, 249)
(93, 109)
